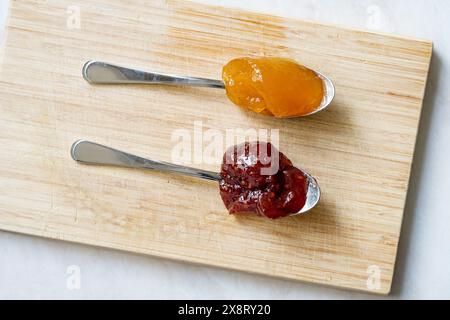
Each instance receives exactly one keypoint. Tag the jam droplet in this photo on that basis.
(245, 186)
(273, 86)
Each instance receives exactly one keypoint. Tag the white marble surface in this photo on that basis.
(36, 268)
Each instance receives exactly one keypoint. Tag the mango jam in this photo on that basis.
(273, 86)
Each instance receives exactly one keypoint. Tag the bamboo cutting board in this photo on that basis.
(360, 150)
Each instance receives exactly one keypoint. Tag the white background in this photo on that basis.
(36, 268)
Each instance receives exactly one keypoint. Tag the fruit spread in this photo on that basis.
(256, 177)
(273, 86)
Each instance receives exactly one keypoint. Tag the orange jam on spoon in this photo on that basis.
(273, 86)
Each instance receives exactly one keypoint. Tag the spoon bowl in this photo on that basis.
(328, 96)
(312, 196)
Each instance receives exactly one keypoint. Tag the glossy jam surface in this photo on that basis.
(246, 187)
(273, 86)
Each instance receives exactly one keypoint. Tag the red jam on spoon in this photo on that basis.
(250, 183)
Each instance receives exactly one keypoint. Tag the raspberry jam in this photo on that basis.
(256, 177)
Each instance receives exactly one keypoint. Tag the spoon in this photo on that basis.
(91, 153)
(97, 72)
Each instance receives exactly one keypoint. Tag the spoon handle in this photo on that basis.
(98, 72)
(92, 153)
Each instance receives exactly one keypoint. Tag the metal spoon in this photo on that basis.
(97, 72)
(87, 152)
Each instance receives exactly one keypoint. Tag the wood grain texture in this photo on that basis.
(360, 150)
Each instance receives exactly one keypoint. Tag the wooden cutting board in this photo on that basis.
(360, 150)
